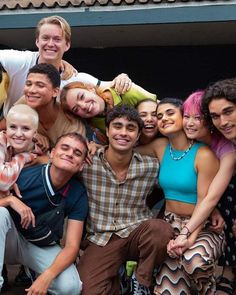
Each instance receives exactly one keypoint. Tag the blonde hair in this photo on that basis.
(55, 20)
(24, 110)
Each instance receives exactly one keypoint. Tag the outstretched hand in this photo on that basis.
(122, 83)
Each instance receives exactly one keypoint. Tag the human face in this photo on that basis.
(20, 132)
(84, 103)
(147, 112)
(169, 119)
(122, 134)
(39, 91)
(223, 114)
(51, 43)
(68, 155)
(194, 126)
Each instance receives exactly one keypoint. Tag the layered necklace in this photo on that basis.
(184, 153)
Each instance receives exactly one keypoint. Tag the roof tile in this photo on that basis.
(24, 4)
(103, 2)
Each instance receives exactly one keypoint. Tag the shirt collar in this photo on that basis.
(48, 185)
(101, 153)
(47, 180)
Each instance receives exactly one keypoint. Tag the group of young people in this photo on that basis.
(93, 151)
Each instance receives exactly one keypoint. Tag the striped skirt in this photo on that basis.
(194, 272)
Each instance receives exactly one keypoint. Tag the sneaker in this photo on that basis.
(137, 288)
(23, 279)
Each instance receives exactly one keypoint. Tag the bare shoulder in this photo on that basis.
(205, 152)
(163, 141)
(160, 146)
(153, 149)
(206, 158)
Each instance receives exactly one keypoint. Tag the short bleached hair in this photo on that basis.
(24, 110)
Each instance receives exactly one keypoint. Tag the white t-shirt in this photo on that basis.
(17, 64)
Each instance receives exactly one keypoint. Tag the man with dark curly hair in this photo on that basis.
(219, 104)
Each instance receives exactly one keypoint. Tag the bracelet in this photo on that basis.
(188, 231)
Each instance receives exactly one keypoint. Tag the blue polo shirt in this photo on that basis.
(39, 194)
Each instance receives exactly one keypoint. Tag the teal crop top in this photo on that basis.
(178, 179)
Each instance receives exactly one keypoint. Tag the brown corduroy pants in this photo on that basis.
(99, 266)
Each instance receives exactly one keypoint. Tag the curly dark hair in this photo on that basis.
(126, 111)
(221, 89)
(49, 70)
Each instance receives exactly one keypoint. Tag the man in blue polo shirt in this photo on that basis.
(43, 187)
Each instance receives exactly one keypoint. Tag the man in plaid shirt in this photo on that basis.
(120, 226)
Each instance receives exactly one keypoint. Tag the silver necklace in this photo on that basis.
(184, 153)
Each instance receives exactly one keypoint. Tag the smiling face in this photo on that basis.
(122, 134)
(39, 91)
(169, 119)
(51, 43)
(147, 112)
(194, 126)
(20, 132)
(68, 155)
(84, 103)
(223, 114)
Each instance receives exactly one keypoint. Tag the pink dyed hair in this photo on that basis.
(192, 105)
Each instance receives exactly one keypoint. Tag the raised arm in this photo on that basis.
(122, 83)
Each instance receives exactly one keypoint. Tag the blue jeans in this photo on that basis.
(17, 250)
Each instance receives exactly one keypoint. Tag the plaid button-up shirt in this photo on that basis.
(117, 207)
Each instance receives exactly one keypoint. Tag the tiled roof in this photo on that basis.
(26, 4)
